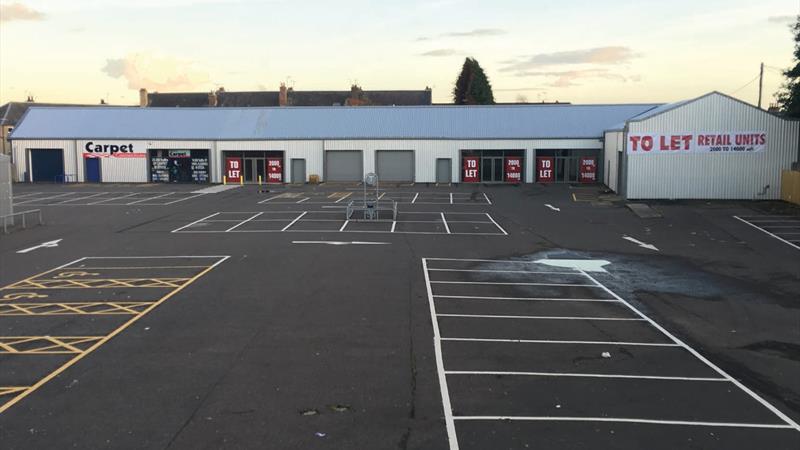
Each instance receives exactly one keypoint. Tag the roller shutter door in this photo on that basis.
(394, 165)
(344, 165)
(47, 165)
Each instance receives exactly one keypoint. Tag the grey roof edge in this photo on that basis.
(10, 137)
(395, 138)
(680, 104)
(306, 108)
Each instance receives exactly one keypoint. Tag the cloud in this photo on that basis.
(478, 32)
(440, 52)
(156, 73)
(569, 78)
(596, 56)
(782, 20)
(18, 11)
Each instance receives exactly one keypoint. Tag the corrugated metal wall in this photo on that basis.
(612, 146)
(20, 153)
(713, 175)
(137, 170)
(313, 151)
(427, 151)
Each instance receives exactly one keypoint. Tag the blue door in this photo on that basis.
(47, 165)
(92, 170)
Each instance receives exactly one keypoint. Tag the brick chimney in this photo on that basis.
(212, 99)
(283, 95)
(355, 93)
(143, 97)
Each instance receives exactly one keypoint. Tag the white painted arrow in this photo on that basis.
(47, 244)
(552, 207)
(640, 243)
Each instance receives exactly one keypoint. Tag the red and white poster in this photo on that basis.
(706, 142)
(513, 169)
(233, 169)
(588, 169)
(471, 173)
(274, 170)
(544, 169)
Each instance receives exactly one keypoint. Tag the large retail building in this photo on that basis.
(713, 146)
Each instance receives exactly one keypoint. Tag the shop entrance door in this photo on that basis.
(567, 169)
(253, 169)
(492, 169)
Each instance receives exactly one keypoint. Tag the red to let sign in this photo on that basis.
(513, 169)
(274, 170)
(588, 173)
(544, 169)
(233, 169)
(470, 170)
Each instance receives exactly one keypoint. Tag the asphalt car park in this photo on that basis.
(785, 228)
(92, 198)
(209, 324)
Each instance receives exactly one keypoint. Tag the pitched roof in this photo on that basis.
(279, 123)
(11, 112)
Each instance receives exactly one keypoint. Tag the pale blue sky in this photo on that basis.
(568, 50)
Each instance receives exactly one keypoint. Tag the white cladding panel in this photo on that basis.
(136, 170)
(713, 175)
(313, 151)
(310, 150)
(20, 151)
(612, 147)
(427, 151)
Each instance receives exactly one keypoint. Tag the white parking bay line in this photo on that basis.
(663, 340)
(415, 198)
(344, 225)
(487, 198)
(621, 420)
(80, 198)
(496, 224)
(437, 346)
(112, 198)
(534, 299)
(447, 228)
(243, 222)
(45, 198)
(149, 198)
(195, 222)
(767, 232)
(495, 316)
(553, 341)
(581, 375)
(181, 199)
(702, 358)
(295, 220)
(505, 271)
(502, 283)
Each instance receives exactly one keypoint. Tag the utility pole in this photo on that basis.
(760, 84)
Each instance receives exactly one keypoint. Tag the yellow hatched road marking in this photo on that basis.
(65, 308)
(98, 283)
(8, 344)
(49, 345)
(8, 390)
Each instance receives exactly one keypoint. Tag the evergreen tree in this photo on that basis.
(789, 96)
(472, 86)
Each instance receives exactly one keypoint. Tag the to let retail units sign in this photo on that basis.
(710, 142)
